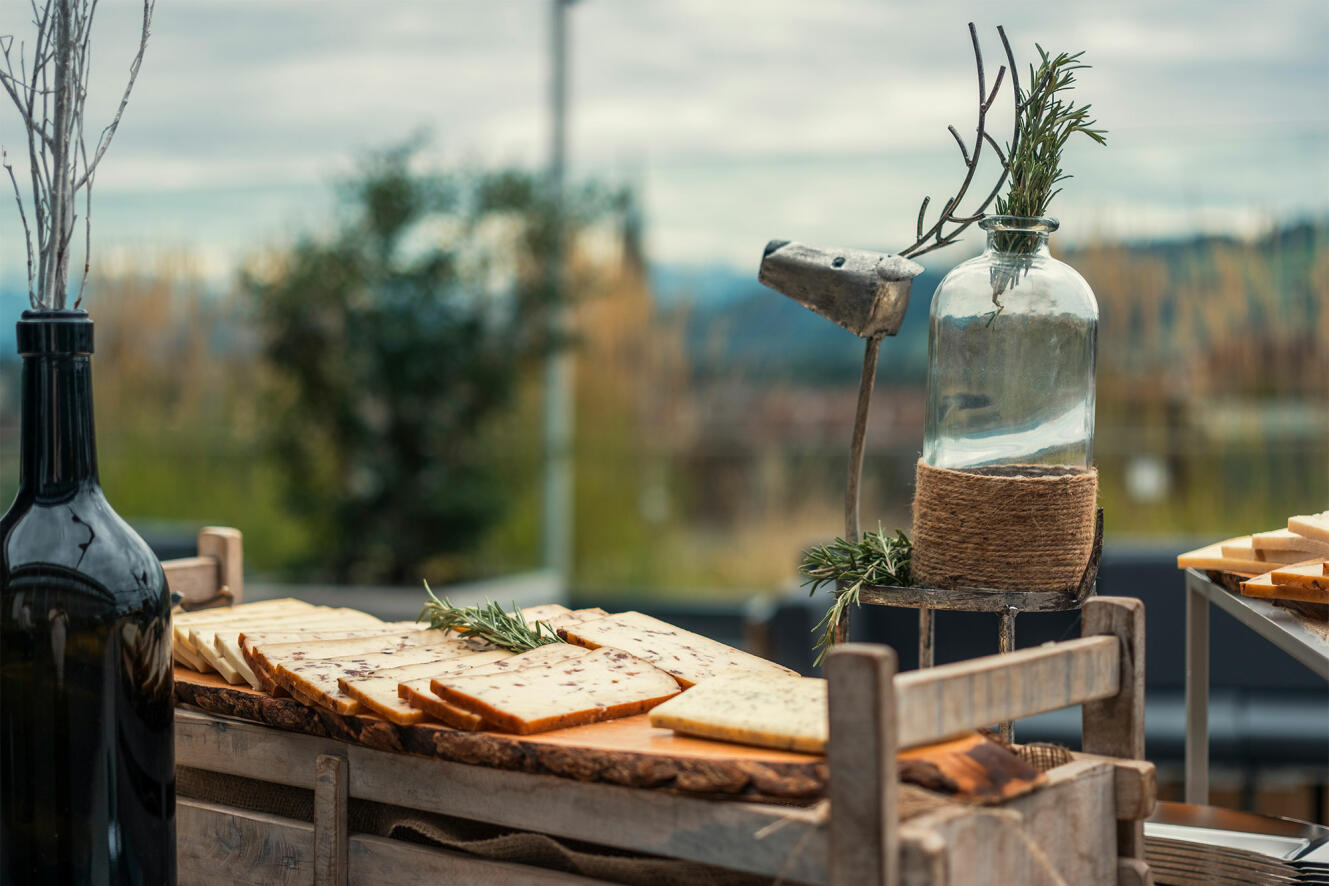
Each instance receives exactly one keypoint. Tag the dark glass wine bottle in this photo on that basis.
(87, 761)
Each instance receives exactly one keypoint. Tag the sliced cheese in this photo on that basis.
(604, 685)
(381, 693)
(1265, 586)
(318, 678)
(1287, 540)
(182, 621)
(689, 657)
(205, 638)
(232, 646)
(1312, 526)
(1211, 557)
(419, 693)
(1312, 575)
(1240, 549)
(770, 711)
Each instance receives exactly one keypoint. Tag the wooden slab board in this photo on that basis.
(628, 752)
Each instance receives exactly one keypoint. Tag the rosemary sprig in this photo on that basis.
(506, 630)
(1047, 121)
(878, 559)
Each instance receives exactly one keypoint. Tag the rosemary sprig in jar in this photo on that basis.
(1046, 121)
(877, 559)
(490, 623)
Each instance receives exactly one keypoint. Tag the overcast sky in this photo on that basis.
(738, 122)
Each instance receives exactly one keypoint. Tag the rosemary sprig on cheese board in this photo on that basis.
(876, 559)
(506, 630)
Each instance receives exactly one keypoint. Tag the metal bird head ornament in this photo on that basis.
(865, 292)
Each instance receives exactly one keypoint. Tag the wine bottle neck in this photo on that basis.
(58, 450)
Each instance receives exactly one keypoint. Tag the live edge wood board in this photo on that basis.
(626, 752)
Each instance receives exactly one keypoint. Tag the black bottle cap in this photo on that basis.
(55, 333)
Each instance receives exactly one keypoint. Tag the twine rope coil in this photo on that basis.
(1006, 527)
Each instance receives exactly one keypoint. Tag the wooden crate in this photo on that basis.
(1083, 827)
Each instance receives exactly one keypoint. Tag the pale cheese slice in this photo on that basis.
(381, 693)
(182, 621)
(188, 659)
(232, 647)
(1265, 586)
(263, 659)
(689, 657)
(419, 693)
(226, 642)
(1240, 549)
(204, 638)
(770, 711)
(603, 685)
(184, 635)
(1312, 526)
(1311, 576)
(1287, 540)
(319, 678)
(1211, 557)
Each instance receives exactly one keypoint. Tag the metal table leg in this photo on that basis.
(1197, 696)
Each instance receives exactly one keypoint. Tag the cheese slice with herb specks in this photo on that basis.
(380, 693)
(318, 678)
(690, 657)
(770, 711)
(602, 685)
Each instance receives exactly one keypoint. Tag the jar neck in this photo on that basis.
(58, 449)
(1018, 237)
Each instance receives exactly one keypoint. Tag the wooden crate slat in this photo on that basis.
(718, 833)
(951, 699)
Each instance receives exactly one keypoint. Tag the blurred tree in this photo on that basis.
(391, 343)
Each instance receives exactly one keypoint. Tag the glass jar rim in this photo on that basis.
(1019, 223)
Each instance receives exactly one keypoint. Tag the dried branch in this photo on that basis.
(27, 232)
(50, 90)
(937, 236)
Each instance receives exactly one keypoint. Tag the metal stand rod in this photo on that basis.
(1006, 643)
(852, 532)
(1197, 696)
(927, 637)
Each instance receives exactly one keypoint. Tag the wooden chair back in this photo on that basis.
(213, 578)
(875, 712)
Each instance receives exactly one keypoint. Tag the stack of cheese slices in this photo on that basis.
(1286, 564)
(348, 662)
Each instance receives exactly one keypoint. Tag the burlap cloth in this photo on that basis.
(1007, 527)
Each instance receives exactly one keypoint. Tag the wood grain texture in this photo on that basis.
(1114, 727)
(331, 783)
(989, 847)
(951, 699)
(226, 546)
(1134, 872)
(626, 752)
(215, 846)
(864, 840)
(1134, 785)
(644, 821)
(1073, 823)
(227, 846)
(195, 579)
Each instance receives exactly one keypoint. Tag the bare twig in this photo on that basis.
(27, 232)
(50, 90)
(937, 236)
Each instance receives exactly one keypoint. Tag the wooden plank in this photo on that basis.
(1072, 822)
(331, 783)
(1133, 872)
(975, 599)
(977, 847)
(1114, 727)
(225, 544)
(1134, 785)
(864, 814)
(221, 846)
(227, 846)
(195, 579)
(949, 700)
(645, 821)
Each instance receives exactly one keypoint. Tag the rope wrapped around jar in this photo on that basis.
(1005, 527)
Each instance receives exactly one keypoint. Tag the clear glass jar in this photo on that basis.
(1011, 353)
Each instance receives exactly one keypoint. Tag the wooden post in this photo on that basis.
(331, 783)
(1114, 727)
(864, 833)
(225, 544)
